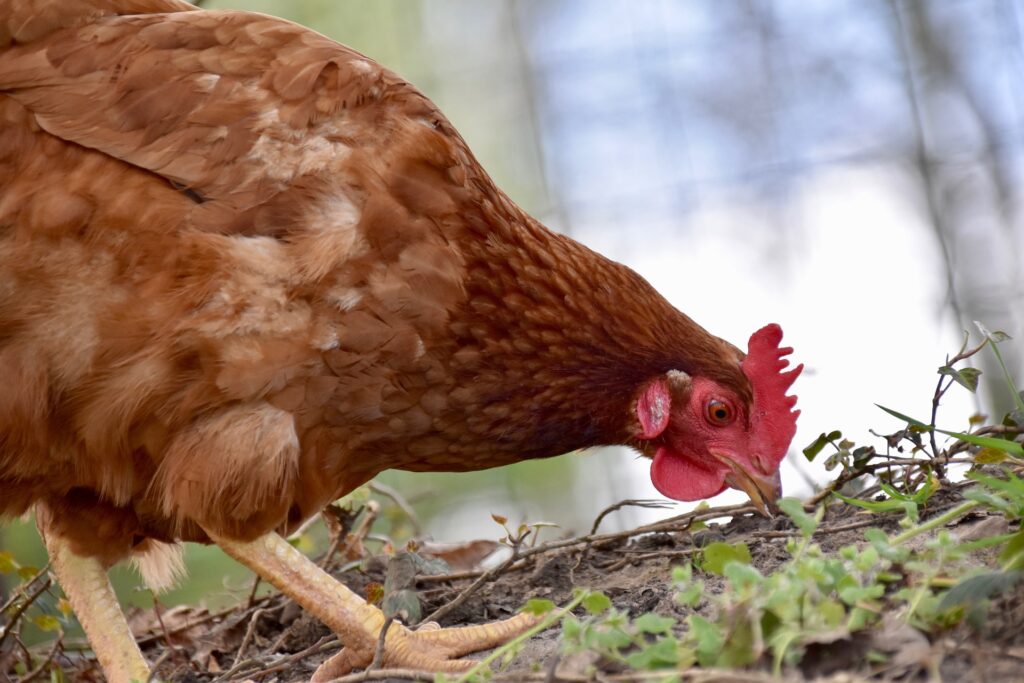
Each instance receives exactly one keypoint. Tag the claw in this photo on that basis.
(430, 648)
(465, 639)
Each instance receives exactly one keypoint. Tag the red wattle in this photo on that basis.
(680, 478)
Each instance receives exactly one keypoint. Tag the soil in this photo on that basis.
(633, 570)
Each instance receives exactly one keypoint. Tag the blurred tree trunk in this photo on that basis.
(963, 173)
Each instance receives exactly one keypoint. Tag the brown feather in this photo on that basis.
(244, 269)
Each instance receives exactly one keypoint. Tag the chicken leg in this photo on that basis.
(358, 623)
(88, 589)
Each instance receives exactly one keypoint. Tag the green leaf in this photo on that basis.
(709, 639)
(662, 653)
(46, 622)
(572, 628)
(596, 602)
(905, 418)
(1012, 485)
(832, 613)
(920, 496)
(1012, 555)
(878, 506)
(739, 649)
(974, 589)
(27, 572)
(741, 574)
(794, 509)
(691, 594)
(988, 499)
(538, 606)
(718, 554)
(989, 456)
(654, 624)
(965, 377)
(995, 338)
(818, 444)
(855, 594)
(860, 618)
(7, 563)
(682, 573)
(876, 536)
(1011, 447)
(611, 639)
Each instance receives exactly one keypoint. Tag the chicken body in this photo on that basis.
(340, 290)
(243, 269)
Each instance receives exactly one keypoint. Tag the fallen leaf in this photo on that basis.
(461, 557)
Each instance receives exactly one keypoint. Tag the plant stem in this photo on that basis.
(1009, 380)
(545, 623)
(935, 522)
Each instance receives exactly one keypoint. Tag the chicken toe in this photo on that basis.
(358, 623)
(429, 648)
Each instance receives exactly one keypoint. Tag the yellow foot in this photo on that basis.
(358, 624)
(428, 649)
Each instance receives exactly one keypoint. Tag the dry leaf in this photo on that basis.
(461, 557)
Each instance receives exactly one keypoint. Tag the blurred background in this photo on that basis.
(850, 170)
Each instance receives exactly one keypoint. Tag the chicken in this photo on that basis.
(244, 269)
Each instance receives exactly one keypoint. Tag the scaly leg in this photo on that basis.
(85, 582)
(358, 623)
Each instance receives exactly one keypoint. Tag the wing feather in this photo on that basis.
(233, 105)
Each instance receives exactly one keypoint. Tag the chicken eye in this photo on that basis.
(718, 412)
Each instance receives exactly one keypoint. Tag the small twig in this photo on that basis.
(21, 646)
(25, 604)
(210, 616)
(167, 635)
(645, 503)
(378, 653)
(487, 576)
(47, 660)
(629, 559)
(322, 645)
(164, 656)
(632, 502)
(940, 391)
(456, 576)
(693, 675)
(386, 674)
(247, 638)
(402, 503)
(820, 531)
(252, 593)
(16, 594)
(353, 539)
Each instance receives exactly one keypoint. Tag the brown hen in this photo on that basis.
(243, 269)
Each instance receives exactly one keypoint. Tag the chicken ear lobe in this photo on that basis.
(654, 407)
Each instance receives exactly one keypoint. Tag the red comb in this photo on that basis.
(772, 418)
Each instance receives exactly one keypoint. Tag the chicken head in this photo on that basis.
(706, 437)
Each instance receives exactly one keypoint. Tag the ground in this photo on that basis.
(634, 570)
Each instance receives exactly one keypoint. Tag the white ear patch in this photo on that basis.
(653, 409)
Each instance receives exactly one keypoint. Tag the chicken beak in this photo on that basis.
(763, 489)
